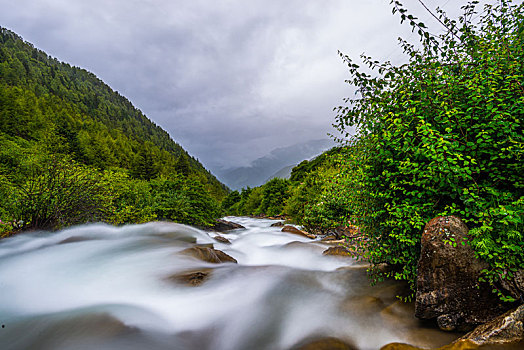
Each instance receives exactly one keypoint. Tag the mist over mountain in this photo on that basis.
(283, 173)
(266, 167)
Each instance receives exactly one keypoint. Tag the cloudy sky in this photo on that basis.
(230, 80)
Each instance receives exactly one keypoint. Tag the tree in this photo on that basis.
(275, 193)
(144, 165)
(182, 165)
(232, 198)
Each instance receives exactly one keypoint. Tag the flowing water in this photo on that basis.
(103, 287)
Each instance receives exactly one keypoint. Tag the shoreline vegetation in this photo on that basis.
(72, 151)
(439, 136)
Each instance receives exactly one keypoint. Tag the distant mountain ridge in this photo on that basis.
(264, 168)
(284, 173)
(42, 98)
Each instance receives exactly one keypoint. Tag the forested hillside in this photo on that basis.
(55, 114)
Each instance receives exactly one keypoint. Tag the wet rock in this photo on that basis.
(327, 343)
(362, 306)
(399, 346)
(329, 238)
(303, 245)
(207, 254)
(174, 236)
(192, 278)
(345, 231)
(515, 287)
(338, 251)
(52, 333)
(296, 231)
(448, 289)
(277, 224)
(336, 242)
(505, 329)
(224, 225)
(458, 345)
(222, 239)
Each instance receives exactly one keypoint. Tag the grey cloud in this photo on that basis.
(229, 80)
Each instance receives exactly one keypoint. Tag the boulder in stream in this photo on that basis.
(277, 224)
(221, 225)
(208, 254)
(448, 287)
(192, 278)
(222, 239)
(296, 231)
(338, 251)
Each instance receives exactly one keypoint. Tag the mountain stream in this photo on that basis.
(102, 287)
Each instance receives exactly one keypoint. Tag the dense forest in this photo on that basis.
(440, 135)
(73, 150)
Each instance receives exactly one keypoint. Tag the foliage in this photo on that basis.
(229, 203)
(306, 167)
(443, 135)
(253, 201)
(73, 112)
(131, 200)
(72, 150)
(274, 194)
(183, 200)
(57, 194)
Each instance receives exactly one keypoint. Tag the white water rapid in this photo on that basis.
(103, 287)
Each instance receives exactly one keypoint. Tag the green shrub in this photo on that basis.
(275, 193)
(443, 135)
(183, 200)
(52, 193)
(230, 204)
(131, 200)
(253, 201)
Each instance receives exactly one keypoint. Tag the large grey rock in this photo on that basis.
(448, 287)
(505, 329)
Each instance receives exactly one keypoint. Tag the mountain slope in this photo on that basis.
(265, 167)
(71, 111)
(283, 173)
